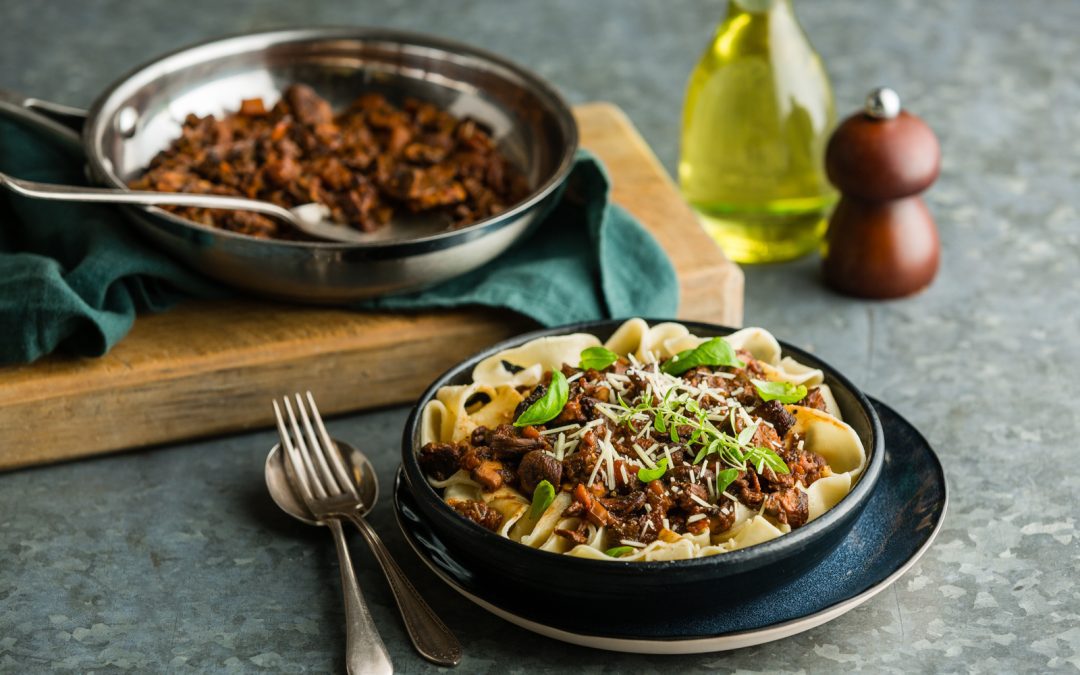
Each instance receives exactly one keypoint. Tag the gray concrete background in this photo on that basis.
(174, 559)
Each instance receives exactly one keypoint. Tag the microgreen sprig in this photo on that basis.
(678, 409)
(725, 478)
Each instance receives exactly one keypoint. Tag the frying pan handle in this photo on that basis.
(63, 123)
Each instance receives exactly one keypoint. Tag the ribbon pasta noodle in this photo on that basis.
(680, 447)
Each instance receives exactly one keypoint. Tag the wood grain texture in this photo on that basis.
(206, 368)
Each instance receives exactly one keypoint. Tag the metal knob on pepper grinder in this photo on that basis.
(882, 241)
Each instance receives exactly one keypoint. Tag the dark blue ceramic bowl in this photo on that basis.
(633, 586)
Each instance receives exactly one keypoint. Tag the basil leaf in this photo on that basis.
(548, 406)
(680, 363)
(715, 352)
(618, 551)
(543, 495)
(785, 392)
(597, 358)
(511, 368)
(725, 478)
(647, 475)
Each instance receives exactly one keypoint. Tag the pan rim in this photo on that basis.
(96, 119)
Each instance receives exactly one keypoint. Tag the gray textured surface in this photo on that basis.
(174, 558)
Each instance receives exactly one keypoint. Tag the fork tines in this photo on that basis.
(316, 461)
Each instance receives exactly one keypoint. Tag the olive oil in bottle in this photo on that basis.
(758, 114)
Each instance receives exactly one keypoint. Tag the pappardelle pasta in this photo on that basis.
(655, 445)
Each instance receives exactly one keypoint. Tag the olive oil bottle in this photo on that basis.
(758, 114)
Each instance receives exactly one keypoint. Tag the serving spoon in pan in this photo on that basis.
(309, 219)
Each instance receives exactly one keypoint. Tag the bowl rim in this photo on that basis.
(96, 122)
(751, 557)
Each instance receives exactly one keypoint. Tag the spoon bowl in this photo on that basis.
(280, 479)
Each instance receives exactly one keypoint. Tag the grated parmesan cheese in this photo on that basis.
(609, 456)
(644, 457)
(701, 501)
(560, 446)
(588, 425)
(602, 408)
(548, 432)
(596, 467)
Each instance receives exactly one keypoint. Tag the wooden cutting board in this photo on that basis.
(206, 368)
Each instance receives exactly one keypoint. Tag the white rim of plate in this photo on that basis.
(716, 643)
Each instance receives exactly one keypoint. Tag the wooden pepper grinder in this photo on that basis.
(882, 241)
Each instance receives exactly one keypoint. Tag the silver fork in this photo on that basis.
(341, 499)
(364, 649)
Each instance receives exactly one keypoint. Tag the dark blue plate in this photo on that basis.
(900, 521)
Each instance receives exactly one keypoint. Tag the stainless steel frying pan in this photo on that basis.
(141, 113)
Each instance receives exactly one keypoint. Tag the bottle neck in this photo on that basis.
(736, 7)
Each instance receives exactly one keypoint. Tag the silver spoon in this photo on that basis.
(432, 639)
(311, 219)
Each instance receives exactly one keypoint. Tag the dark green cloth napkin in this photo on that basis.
(73, 276)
